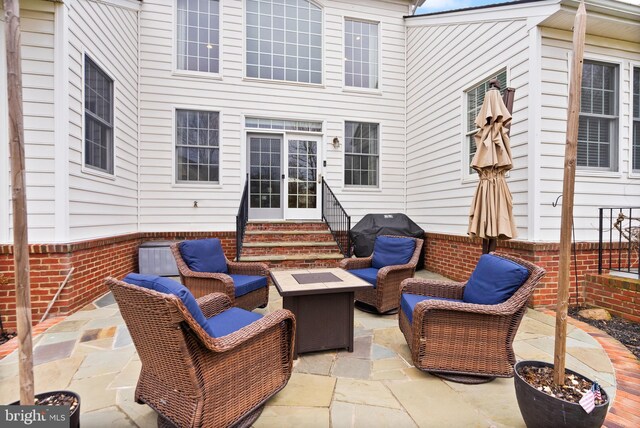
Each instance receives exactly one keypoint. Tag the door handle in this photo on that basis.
(283, 176)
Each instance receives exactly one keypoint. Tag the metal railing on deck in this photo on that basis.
(618, 247)
(337, 219)
(242, 218)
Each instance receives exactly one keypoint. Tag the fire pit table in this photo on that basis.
(322, 302)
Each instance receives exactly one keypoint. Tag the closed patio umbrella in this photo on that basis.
(491, 214)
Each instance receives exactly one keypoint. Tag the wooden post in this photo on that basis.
(570, 155)
(19, 199)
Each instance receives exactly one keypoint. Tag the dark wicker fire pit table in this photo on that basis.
(322, 302)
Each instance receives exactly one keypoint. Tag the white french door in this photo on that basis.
(302, 177)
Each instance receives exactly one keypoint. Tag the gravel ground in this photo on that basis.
(627, 332)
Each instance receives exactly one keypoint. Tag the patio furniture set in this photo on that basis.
(207, 360)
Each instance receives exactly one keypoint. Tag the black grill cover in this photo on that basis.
(363, 234)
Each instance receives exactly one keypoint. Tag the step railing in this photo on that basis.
(337, 219)
(618, 246)
(242, 218)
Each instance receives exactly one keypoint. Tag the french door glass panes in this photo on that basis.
(597, 137)
(303, 170)
(198, 35)
(264, 172)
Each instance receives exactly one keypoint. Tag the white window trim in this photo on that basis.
(175, 71)
(323, 53)
(631, 173)
(582, 171)
(174, 173)
(466, 176)
(114, 134)
(348, 188)
(354, 89)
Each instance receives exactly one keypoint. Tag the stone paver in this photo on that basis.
(92, 353)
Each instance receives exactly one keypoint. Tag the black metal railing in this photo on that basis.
(337, 219)
(618, 247)
(242, 218)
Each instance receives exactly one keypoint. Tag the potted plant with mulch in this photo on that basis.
(548, 394)
(20, 240)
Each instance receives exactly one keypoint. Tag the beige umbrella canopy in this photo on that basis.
(491, 214)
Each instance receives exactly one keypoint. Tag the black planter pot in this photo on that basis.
(74, 417)
(540, 410)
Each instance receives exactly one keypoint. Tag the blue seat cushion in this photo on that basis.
(368, 274)
(231, 320)
(247, 283)
(409, 301)
(494, 280)
(388, 251)
(169, 286)
(204, 255)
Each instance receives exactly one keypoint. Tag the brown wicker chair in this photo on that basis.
(385, 297)
(465, 342)
(194, 380)
(202, 283)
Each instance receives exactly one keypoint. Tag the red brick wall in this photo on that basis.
(621, 296)
(92, 261)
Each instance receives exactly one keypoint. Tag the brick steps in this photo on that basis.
(290, 244)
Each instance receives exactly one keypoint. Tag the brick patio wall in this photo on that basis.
(621, 296)
(92, 262)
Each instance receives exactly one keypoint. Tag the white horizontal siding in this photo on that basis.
(443, 61)
(165, 206)
(592, 190)
(101, 206)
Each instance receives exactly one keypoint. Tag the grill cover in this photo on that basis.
(363, 234)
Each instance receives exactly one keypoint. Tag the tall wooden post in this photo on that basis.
(570, 155)
(19, 199)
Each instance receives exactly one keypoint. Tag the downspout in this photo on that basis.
(406, 143)
(138, 13)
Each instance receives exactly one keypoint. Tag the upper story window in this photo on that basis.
(197, 146)
(98, 118)
(362, 152)
(475, 98)
(360, 54)
(597, 131)
(636, 119)
(284, 40)
(198, 35)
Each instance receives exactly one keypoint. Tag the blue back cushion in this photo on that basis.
(409, 301)
(244, 284)
(494, 280)
(231, 320)
(368, 274)
(169, 286)
(389, 251)
(204, 255)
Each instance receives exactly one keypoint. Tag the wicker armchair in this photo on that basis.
(465, 342)
(385, 296)
(203, 283)
(194, 380)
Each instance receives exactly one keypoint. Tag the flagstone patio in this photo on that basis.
(91, 353)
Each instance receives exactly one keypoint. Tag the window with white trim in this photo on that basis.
(636, 120)
(362, 152)
(197, 146)
(597, 131)
(360, 54)
(284, 40)
(198, 35)
(475, 98)
(98, 118)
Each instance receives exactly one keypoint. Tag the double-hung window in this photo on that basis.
(362, 153)
(284, 40)
(98, 118)
(197, 146)
(475, 98)
(636, 120)
(198, 35)
(597, 132)
(360, 54)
